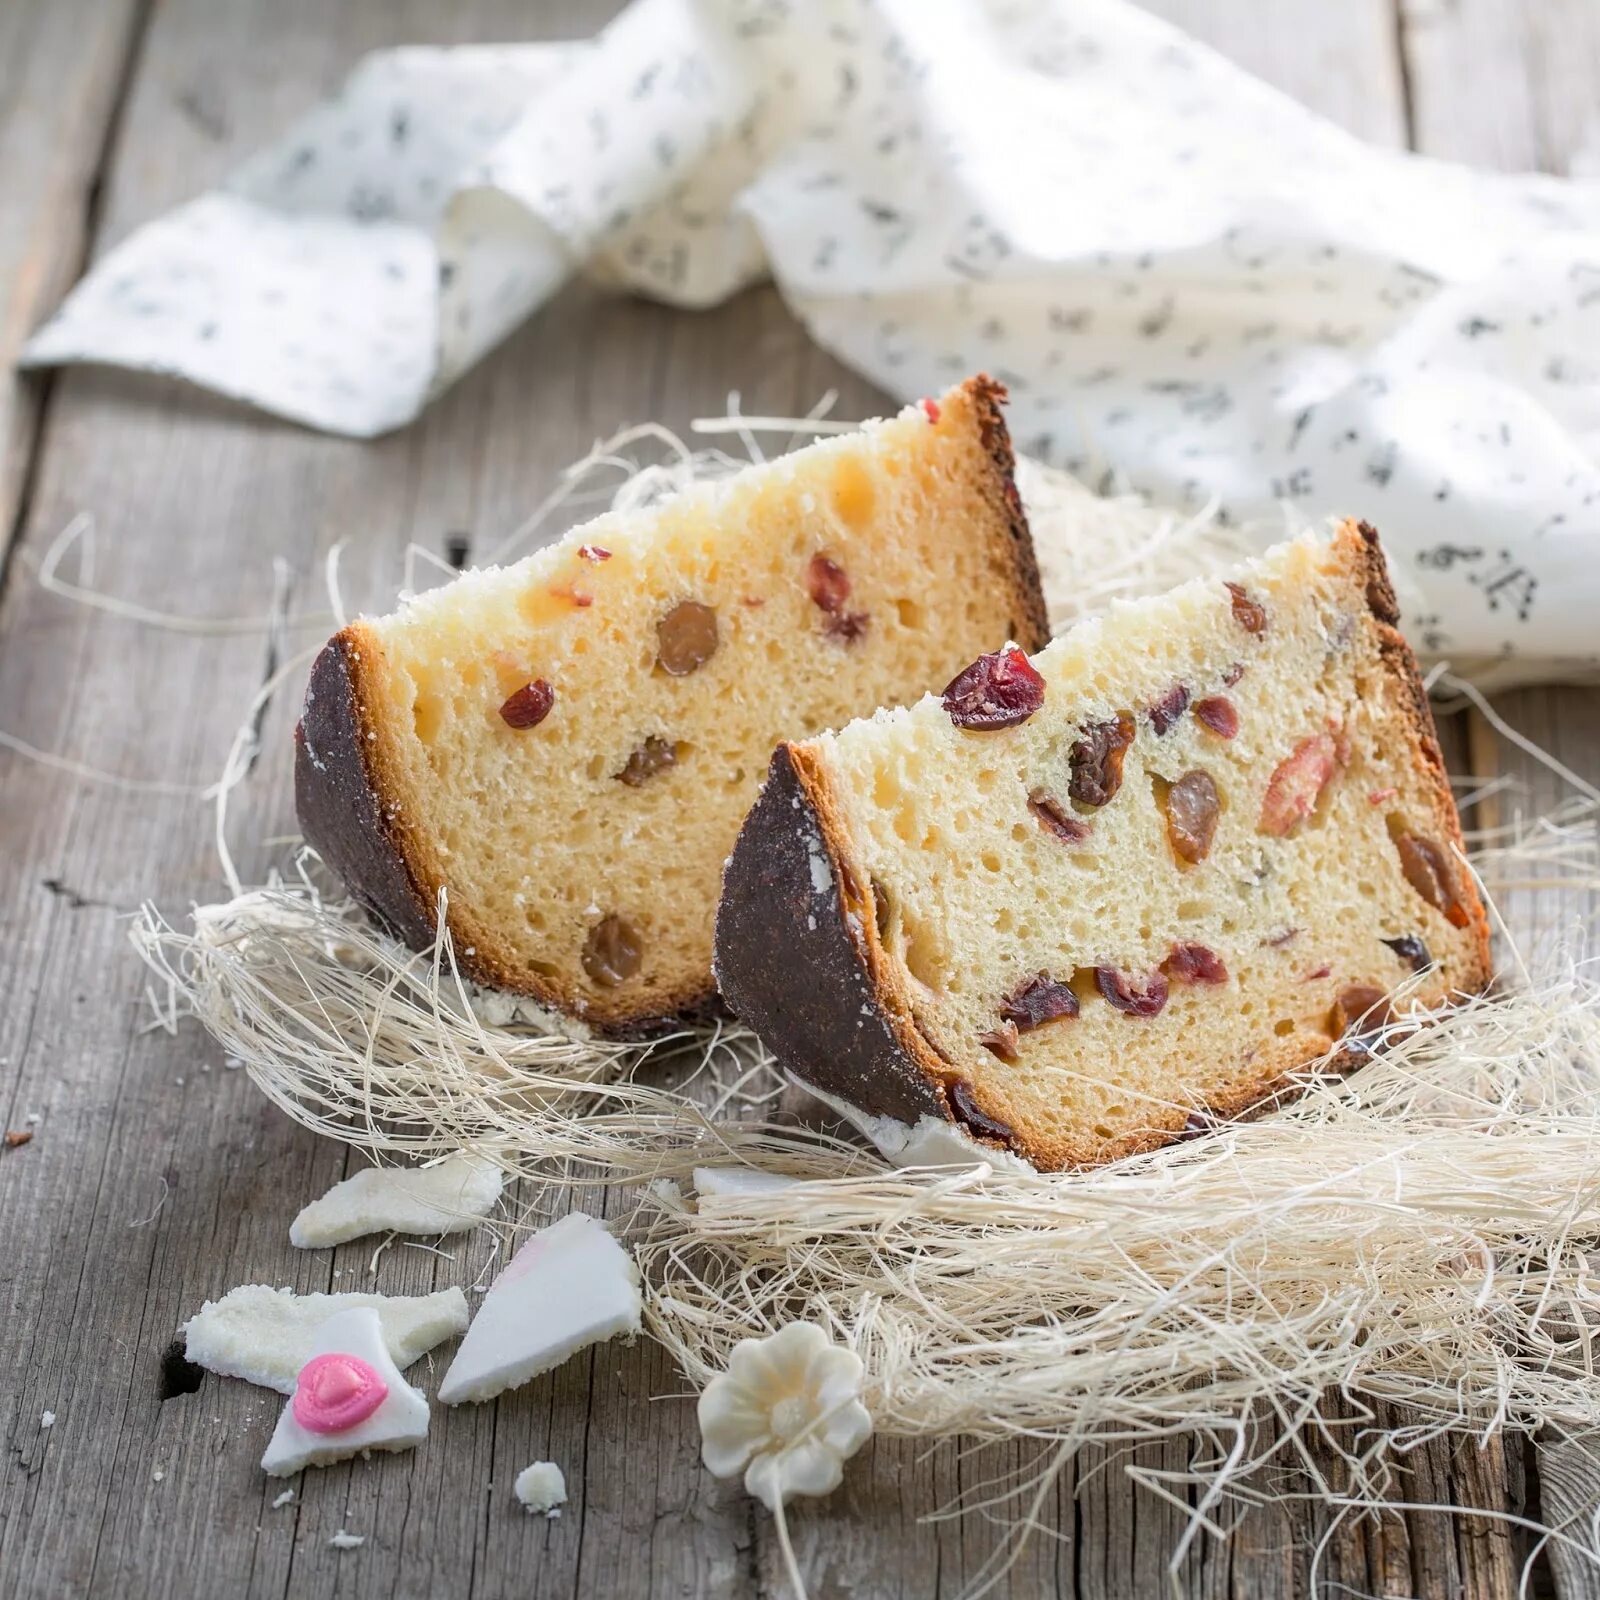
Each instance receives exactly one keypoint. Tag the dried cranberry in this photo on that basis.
(847, 628)
(930, 409)
(1233, 675)
(1217, 712)
(1381, 797)
(1129, 993)
(1428, 871)
(1054, 820)
(1096, 760)
(529, 706)
(1193, 807)
(827, 583)
(1247, 613)
(1195, 963)
(1316, 973)
(1278, 940)
(1359, 1003)
(1038, 1000)
(1001, 1041)
(1165, 712)
(653, 756)
(1196, 1124)
(1294, 788)
(976, 1118)
(612, 953)
(1411, 950)
(686, 638)
(996, 691)
(594, 552)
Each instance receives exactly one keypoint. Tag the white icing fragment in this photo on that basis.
(737, 1182)
(264, 1335)
(817, 860)
(571, 1285)
(347, 1541)
(280, 1501)
(542, 1487)
(157, 1474)
(47, 1419)
(399, 1423)
(931, 1142)
(448, 1197)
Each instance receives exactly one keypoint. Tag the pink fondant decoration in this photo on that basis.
(335, 1392)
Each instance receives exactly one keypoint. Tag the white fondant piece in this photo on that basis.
(347, 1541)
(449, 1197)
(930, 1142)
(738, 1182)
(571, 1285)
(265, 1335)
(542, 1487)
(399, 1423)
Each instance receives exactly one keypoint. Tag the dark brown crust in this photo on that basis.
(339, 804)
(340, 783)
(810, 978)
(790, 965)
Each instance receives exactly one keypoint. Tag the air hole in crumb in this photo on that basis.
(1283, 1028)
(1193, 910)
(990, 860)
(910, 613)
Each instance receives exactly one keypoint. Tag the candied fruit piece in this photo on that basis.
(1359, 1004)
(686, 638)
(529, 706)
(594, 552)
(827, 583)
(1001, 1041)
(1096, 760)
(1056, 821)
(1248, 613)
(996, 691)
(654, 755)
(1194, 963)
(612, 953)
(1164, 714)
(1038, 1000)
(1193, 807)
(1428, 871)
(930, 409)
(1297, 784)
(1218, 713)
(1130, 993)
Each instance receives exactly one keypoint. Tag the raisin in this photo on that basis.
(1136, 996)
(848, 627)
(1165, 712)
(1294, 788)
(996, 691)
(827, 583)
(1217, 712)
(653, 756)
(1359, 1003)
(1001, 1041)
(930, 409)
(1427, 870)
(1038, 1000)
(612, 953)
(1096, 760)
(1247, 613)
(594, 552)
(1194, 963)
(1193, 807)
(1411, 950)
(529, 706)
(1056, 821)
(686, 638)
(976, 1118)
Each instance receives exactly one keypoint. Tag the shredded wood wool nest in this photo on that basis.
(1415, 1234)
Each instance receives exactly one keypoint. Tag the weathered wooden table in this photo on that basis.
(155, 1179)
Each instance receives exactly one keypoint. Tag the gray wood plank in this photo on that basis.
(63, 66)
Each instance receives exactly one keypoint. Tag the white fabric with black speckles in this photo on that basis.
(1181, 274)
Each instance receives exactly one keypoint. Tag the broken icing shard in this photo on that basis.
(266, 1335)
(449, 1197)
(349, 1398)
(739, 1183)
(542, 1487)
(569, 1286)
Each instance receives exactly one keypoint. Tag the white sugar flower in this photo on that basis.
(787, 1411)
